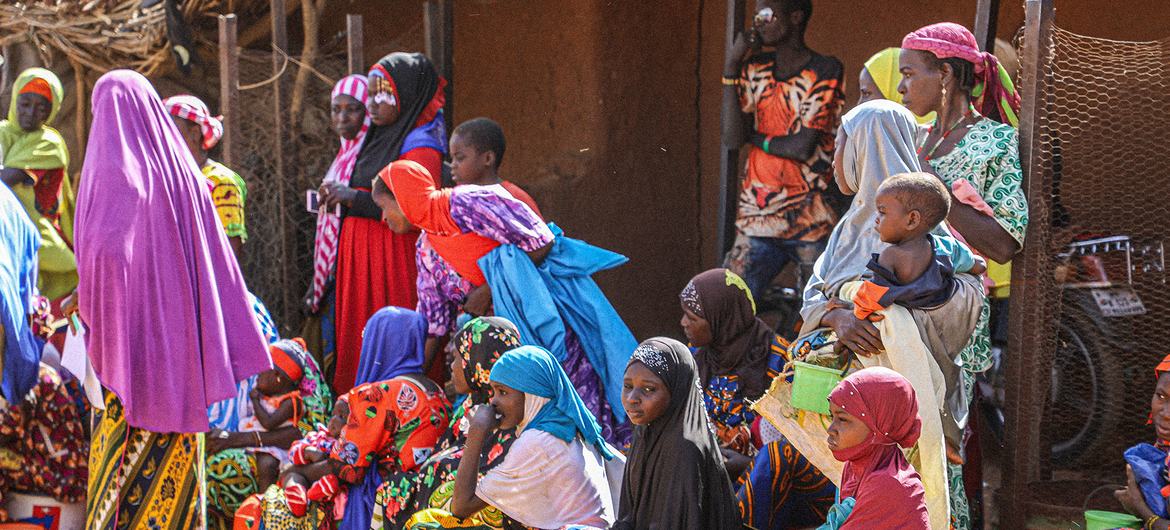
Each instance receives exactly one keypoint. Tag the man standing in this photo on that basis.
(793, 97)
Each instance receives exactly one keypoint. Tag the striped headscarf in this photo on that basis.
(994, 94)
(193, 109)
(328, 224)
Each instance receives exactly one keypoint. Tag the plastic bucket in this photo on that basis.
(1102, 520)
(64, 516)
(811, 385)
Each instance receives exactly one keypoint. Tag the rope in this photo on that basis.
(270, 80)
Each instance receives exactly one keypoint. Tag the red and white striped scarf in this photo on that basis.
(195, 110)
(328, 224)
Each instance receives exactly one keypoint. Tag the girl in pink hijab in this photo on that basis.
(875, 415)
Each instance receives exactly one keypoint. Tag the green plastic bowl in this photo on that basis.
(1102, 520)
(811, 385)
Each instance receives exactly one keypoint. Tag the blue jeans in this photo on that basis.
(767, 256)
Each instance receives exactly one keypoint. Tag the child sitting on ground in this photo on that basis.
(875, 414)
(917, 270)
(276, 402)
(314, 448)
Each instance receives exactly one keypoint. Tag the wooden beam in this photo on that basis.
(439, 31)
(279, 140)
(80, 106)
(354, 47)
(986, 23)
(229, 88)
(1032, 300)
(728, 154)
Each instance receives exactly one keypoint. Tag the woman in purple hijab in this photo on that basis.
(170, 326)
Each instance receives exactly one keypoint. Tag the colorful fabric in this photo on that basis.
(883, 69)
(994, 93)
(728, 407)
(392, 427)
(46, 448)
(282, 361)
(480, 343)
(782, 197)
(41, 149)
(225, 415)
(392, 345)
(19, 241)
(782, 490)
(887, 491)
(739, 340)
(194, 110)
(441, 289)
(439, 519)
(275, 514)
(229, 193)
(139, 183)
(138, 478)
(533, 370)
(329, 224)
(674, 476)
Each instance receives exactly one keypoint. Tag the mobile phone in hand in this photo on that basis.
(311, 201)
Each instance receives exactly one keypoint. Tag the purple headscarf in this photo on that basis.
(170, 327)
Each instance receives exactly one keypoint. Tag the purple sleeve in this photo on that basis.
(492, 213)
(440, 290)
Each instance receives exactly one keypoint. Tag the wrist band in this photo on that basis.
(767, 140)
(1150, 522)
(730, 81)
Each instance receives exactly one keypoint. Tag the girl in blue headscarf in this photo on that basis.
(554, 475)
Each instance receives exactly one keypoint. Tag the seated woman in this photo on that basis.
(232, 467)
(478, 345)
(875, 416)
(675, 476)
(1145, 494)
(538, 279)
(738, 355)
(395, 417)
(554, 475)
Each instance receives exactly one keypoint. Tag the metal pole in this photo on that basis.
(986, 22)
(1029, 359)
(354, 47)
(229, 88)
(728, 154)
(279, 133)
(439, 31)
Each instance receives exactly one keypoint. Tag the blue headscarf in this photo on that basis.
(19, 242)
(533, 370)
(392, 345)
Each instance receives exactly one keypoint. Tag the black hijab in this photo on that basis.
(740, 342)
(415, 82)
(674, 473)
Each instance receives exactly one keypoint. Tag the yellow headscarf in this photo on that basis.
(42, 149)
(883, 68)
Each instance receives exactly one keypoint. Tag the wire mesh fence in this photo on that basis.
(1104, 213)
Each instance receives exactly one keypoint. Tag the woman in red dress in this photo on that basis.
(375, 266)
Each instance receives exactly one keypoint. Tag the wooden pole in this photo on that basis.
(229, 88)
(354, 47)
(280, 126)
(80, 106)
(439, 31)
(986, 23)
(1029, 360)
(728, 154)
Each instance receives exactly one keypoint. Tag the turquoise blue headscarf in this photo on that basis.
(19, 242)
(533, 370)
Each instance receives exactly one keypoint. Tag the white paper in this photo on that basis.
(75, 360)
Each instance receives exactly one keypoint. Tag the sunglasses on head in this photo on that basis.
(765, 16)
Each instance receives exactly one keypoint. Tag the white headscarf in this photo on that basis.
(881, 143)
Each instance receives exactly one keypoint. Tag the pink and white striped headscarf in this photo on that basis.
(194, 109)
(328, 224)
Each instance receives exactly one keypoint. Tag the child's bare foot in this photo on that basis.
(953, 456)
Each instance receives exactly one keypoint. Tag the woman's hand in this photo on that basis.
(479, 301)
(330, 194)
(1131, 498)
(69, 305)
(860, 336)
(735, 462)
(218, 440)
(485, 421)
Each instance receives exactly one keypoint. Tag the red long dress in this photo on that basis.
(375, 269)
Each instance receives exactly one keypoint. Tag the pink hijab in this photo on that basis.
(887, 491)
(171, 329)
(995, 95)
(328, 224)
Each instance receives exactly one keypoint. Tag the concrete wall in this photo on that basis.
(611, 107)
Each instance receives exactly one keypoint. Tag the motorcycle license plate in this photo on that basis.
(1118, 302)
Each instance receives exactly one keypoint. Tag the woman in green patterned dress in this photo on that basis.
(477, 347)
(973, 148)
